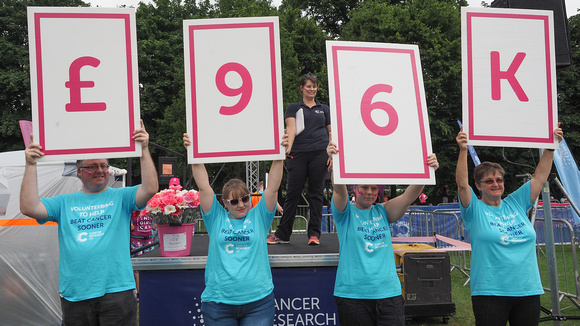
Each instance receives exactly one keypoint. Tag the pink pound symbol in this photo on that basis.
(75, 84)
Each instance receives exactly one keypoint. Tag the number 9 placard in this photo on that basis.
(379, 114)
(233, 89)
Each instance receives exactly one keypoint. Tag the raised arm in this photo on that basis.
(397, 206)
(339, 192)
(274, 180)
(201, 178)
(461, 172)
(30, 204)
(543, 169)
(149, 182)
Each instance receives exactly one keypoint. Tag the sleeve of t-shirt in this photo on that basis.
(522, 196)
(266, 217)
(209, 217)
(467, 213)
(291, 111)
(53, 206)
(337, 215)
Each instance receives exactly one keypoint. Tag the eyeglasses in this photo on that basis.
(235, 201)
(94, 168)
(491, 181)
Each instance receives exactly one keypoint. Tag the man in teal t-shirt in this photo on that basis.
(95, 273)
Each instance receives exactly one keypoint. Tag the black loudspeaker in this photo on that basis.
(167, 169)
(561, 32)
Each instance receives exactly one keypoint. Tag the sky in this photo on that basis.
(571, 5)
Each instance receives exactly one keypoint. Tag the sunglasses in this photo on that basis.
(309, 75)
(235, 201)
(492, 181)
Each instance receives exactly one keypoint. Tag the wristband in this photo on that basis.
(549, 149)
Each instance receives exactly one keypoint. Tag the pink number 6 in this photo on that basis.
(245, 90)
(367, 106)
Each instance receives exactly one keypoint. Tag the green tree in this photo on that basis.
(330, 15)
(15, 69)
(569, 91)
(433, 25)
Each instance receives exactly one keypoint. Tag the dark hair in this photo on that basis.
(484, 168)
(236, 187)
(308, 77)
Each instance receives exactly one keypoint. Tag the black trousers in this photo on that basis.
(311, 165)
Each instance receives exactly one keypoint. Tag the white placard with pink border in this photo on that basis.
(233, 89)
(379, 114)
(509, 77)
(84, 82)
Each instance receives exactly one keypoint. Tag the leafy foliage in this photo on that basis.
(434, 25)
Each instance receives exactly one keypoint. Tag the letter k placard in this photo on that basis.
(75, 84)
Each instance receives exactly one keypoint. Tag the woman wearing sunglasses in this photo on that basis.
(308, 127)
(238, 279)
(505, 280)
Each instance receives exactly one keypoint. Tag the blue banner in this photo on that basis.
(471, 149)
(304, 296)
(569, 174)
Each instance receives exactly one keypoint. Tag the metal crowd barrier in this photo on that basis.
(446, 223)
(563, 237)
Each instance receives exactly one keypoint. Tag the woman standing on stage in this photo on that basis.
(505, 280)
(308, 128)
(238, 278)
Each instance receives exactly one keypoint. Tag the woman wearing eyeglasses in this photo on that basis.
(505, 280)
(238, 279)
(308, 127)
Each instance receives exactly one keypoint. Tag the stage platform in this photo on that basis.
(297, 253)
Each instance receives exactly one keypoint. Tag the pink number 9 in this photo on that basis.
(367, 106)
(245, 90)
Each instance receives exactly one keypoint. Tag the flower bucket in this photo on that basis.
(175, 241)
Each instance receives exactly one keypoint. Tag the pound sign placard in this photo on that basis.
(75, 84)
(84, 82)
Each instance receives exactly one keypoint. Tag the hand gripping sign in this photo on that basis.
(379, 114)
(233, 89)
(84, 81)
(509, 77)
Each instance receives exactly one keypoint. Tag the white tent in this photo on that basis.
(29, 251)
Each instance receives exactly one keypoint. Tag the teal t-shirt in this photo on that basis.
(366, 267)
(503, 245)
(94, 241)
(238, 269)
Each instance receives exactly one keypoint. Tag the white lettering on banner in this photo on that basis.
(319, 319)
(301, 319)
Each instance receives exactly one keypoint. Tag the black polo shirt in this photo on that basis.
(315, 135)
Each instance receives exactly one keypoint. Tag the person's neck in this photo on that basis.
(491, 202)
(309, 101)
(88, 191)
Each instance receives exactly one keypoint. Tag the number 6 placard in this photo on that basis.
(233, 89)
(379, 114)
